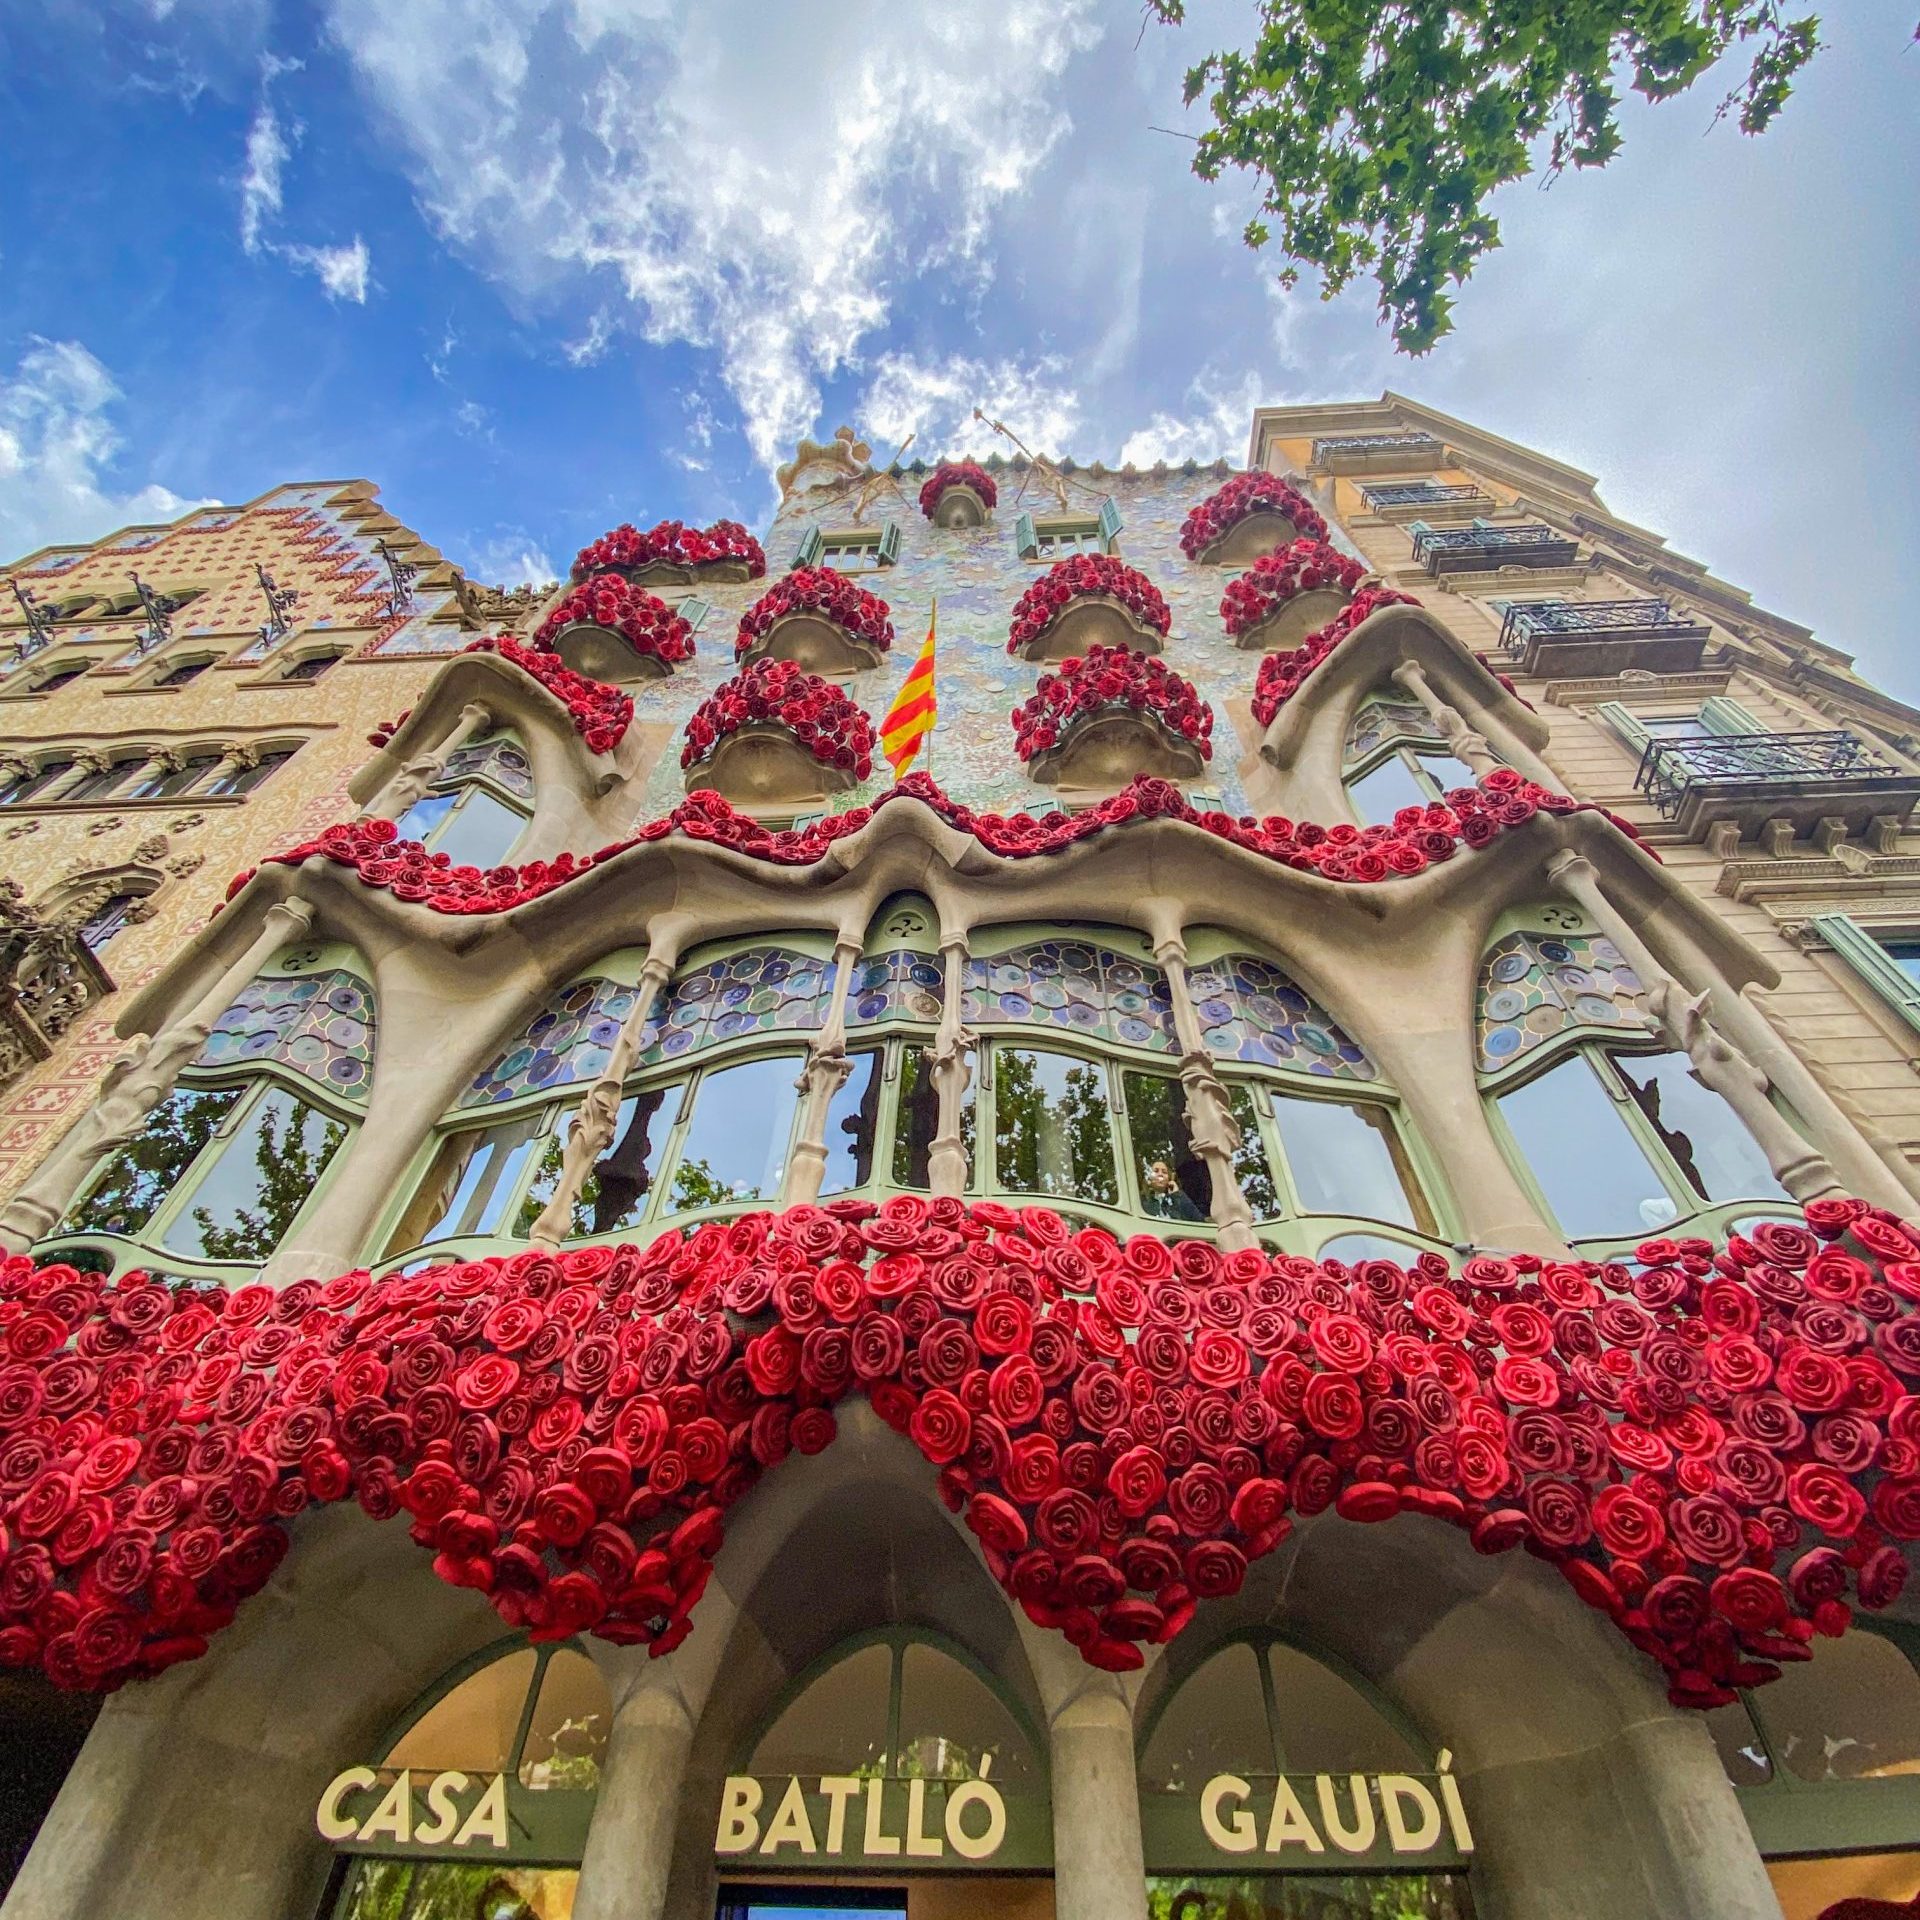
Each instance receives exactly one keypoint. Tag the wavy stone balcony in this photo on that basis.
(1567, 639)
(1773, 784)
(1488, 549)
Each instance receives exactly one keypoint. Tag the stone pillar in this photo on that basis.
(1845, 1160)
(595, 1118)
(623, 1873)
(136, 1083)
(947, 1155)
(415, 779)
(236, 760)
(1210, 1122)
(84, 763)
(825, 1073)
(158, 764)
(1099, 1864)
(1498, 745)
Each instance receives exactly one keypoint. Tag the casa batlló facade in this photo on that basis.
(1274, 1288)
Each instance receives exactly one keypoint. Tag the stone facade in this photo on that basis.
(1341, 1065)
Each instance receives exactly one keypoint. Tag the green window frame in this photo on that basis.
(470, 798)
(871, 548)
(1423, 779)
(1063, 534)
(1867, 958)
(1717, 715)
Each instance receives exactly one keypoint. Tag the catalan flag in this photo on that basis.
(910, 719)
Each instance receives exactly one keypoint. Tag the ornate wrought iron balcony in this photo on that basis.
(1423, 493)
(1340, 453)
(1602, 636)
(1483, 549)
(1753, 779)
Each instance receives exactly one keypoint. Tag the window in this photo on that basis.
(163, 783)
(851, 549)
(917, 1119)
(34, 782)
(466, 823)
(182, 671)
(60, 677)
(1407, 776)
(103, 780)
(1052, 1123)
(1348, 1159)
(244, 779)
(1886, 962)
(107, 919)
(312, 667)
(1062, 535)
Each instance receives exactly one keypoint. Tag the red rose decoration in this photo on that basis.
(726, 545)
(828, 595)
(1245, 494)
(780, 693)
(958, 473)
(1086, 576)
(1276, 579)
(1103, 681)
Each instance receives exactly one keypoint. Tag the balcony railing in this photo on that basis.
(1588, 618)
(1482, 549)
(1769, 766)
(1424, 493)
(1337, 444)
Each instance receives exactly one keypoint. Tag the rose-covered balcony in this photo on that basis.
(1252, 515)
(1570, 639)
(1286, 596)
(1785, 784)
(776, 736)
(819, 619)
(1110, 717)
(610, 630)
(674, 554)
(1482, 549)
(959, 493)
(1090, 600)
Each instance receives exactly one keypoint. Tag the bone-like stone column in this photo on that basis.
(1210, 1122)
(1846, 1159)
(415, 779)
(597, 1115)
(952, 1070)
(826, 1072)
(1099, 1863)
(1498, 745)
(136, 1083)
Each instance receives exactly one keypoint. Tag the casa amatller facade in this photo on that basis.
(1272, 1289)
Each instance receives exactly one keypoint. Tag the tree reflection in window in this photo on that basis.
(615, 1192)
(242, 1206)
(917, 1119)
(1251, 1173)
(736, 1140)
(1052, 1122)
(128, 1190)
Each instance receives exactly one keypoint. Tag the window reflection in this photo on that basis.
(241, 1208)
(1595, 1175)
(917, 1119)
(1719, 1158)
(838, 1725)
(1737, 1740)
(1852, 1712)
(736, 1140)
(1382, 791)
(852, 1118)
(1216, 1723)
(1173, 1180)
(1052, 1127)
(617, 1186)
(471, 1726)
(1327, 1725)
(1348, 1159)
(567, 1736)
(951, 1721)
(130, 1188)
(1250, 1169)
(468, 825)
(470, 1183)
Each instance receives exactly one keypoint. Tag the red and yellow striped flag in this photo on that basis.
(915, 707)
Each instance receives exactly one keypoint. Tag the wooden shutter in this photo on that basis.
(808, 553)
(1026, 543)
(890, 543)
(1622, 721)
(1721, 715)
(1871, 961)
(693, 610)
(1109, 522)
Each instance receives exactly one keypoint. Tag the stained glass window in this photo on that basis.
(1381, 720)
(1076, 985)
(896, 986)
(503, 760)
(763, 990)
(319, 1025)
(570, 1039)
(1249, 1010)
(1535, 986)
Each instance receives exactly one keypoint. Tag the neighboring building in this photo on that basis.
(1218, 1011)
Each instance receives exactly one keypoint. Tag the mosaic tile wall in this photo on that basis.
(1253, 1012)
(1074, 985)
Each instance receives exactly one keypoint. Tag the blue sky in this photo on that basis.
(538, 266)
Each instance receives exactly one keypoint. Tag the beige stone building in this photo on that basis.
(1335, 1007)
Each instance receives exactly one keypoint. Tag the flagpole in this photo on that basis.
(933, 627)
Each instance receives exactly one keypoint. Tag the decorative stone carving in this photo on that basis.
(110, 824)
(47, 978)
(153, 847)
(186, 863)
(186, 823)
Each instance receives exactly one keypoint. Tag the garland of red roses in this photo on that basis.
(1079, 575)
(642, 619)
(601, 714)
(823, 591)
(1101, 680)
(1718, 1447)
(1281, 674)
(818, 715)
(1244, 495)
(1419, 838)
(1302, 566)
(958, 473)
(671, 543)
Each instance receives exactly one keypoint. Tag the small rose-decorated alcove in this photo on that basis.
(608, 629)
(959, 493)
(1289, 594)
(674, 554)
(1252, 515)
(775, 735)
(1110, 716)
(819, 619)
(1091, 600)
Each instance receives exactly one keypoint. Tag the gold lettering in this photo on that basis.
(739, 1808)
(393, 1817)
(333, 1824)
(790, 1826)
(876, 1841)
(446, 1816)
(920, 1843)
(1236, 1834)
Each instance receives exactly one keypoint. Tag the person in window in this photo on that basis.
(1164, 1197)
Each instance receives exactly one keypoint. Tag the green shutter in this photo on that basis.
(1623, 722)
(693, 610)
(808, 553)
(1418, 527)
(1026, 543)
(1871, 961)
(1721, 715)
(1109, 522)
(890, 543)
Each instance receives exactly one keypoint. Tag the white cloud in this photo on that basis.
(473, 420)
(754, 179)
(1215, 426)
(509, 559)
(343, 271)
(935, 401)
(58, 446)
(261, 191)
(592, 345)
